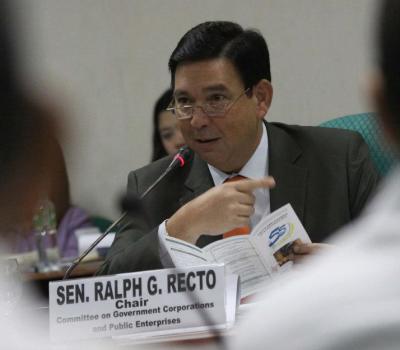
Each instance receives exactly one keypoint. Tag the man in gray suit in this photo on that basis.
(221, 79)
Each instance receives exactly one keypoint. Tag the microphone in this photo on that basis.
(131, 204)
(180, 159)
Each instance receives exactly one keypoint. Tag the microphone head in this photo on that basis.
(184, 155)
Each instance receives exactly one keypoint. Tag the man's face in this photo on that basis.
(225, 142)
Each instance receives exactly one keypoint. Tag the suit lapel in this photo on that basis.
(291, 179)
(198, 181)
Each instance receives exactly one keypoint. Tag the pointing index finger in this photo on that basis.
(250, 184)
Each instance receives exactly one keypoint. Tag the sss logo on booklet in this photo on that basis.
(279, 231)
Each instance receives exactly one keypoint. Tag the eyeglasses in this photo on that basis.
(212, 109)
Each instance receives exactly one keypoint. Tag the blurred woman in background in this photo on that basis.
(167, 138)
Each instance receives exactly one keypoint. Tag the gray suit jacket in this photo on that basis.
(325, 174)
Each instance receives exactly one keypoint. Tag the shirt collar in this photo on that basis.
(255, 168)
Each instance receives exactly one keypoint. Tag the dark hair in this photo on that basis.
(246, 49)
(19, 130)
(161, 104)
(389, 57)
(17, 120)
(8, 60)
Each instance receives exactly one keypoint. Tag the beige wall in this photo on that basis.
(106, 62)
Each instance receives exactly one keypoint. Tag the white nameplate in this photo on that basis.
(137, 302)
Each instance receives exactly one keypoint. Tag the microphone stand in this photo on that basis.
(180, 159)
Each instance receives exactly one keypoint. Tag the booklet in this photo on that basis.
(256, 258)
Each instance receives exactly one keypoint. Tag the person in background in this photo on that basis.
(348, 298)
(167, 138)
(68, 217)
(32, 166)
(221, 78)
(25, 156)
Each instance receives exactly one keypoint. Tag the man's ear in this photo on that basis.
(379, 102)
(263, 93)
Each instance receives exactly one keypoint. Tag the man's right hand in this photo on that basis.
(220, 209)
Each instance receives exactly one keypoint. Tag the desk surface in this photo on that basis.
(85, 269)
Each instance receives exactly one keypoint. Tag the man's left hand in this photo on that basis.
(302, 250)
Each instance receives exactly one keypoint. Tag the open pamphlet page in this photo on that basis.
(256, 258)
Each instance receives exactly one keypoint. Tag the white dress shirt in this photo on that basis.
(255, 168)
